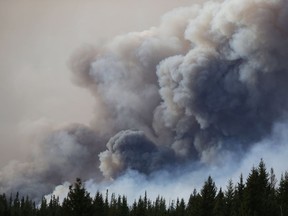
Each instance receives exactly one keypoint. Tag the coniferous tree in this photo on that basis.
(260, 196)
(106, 203)
(98, 205)
(78, 201)
(258, 192)
(220, 207)
(123, 208)
(229, 198)
(112, 206)
(283, 194)
(180, 208)
(251, 193)
(27, 207)
(54, 207)
(141, 210)
(134, 208)
(271, 200)
(150, 208)
(238, 207)
(208, 194)
(194, 204)
(4, 209)
(172, 207)
(15, 208)
(43, 210)
(160, 206)
(266, 183)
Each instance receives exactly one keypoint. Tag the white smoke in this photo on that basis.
(181, 182)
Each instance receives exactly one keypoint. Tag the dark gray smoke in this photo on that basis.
(133, 150)
(211, 79)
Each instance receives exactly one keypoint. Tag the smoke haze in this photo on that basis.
(204, 90)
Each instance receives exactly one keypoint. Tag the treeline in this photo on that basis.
(259, 195)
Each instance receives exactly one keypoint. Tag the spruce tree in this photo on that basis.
(54, 207)
(180, 208)
(208, 194)
(194, 204)
(283, 194)
(239, 207)
(78, 201)
(123, 208)
(98, 205)
(229, 198)
(220, 207)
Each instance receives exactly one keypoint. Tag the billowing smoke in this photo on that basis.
(62, 155)
(209, 82)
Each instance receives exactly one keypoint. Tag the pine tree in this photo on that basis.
(78, 201)
(123, 208)
(43, 210)
(229, 198)
(252, 196)
(271, 200)
(194, 204)
(113, 205)
(258, 193)
(258, 197)
(159, 207)
(98, 205)
(54, 208)
(283, 194)
(220, 207)
(4, 205)
(27, 206)
(180, 208)
(238, 207)
(208, 194)
(15, 209)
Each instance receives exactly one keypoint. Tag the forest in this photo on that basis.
(261, 194)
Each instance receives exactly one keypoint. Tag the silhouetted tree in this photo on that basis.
(238, 207)
(180, 208)
(220, 207)
(229, 198)
(283, 194)
(4, 208)
(260, 196)
(98, 205)
(194, 204)
(78, 201)
(54, 207)
(43, 210)
(208, 194)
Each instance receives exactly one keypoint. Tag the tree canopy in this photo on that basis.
(258, 196)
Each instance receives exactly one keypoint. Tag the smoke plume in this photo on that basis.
(209, 82)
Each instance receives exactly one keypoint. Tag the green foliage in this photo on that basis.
(258, 196)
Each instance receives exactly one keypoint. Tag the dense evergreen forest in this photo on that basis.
(259, 195)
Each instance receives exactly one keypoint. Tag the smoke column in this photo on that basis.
(207, 85)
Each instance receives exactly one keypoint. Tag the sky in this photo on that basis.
(37, 39)
(136, 96)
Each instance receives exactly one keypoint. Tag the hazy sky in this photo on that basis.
(37, 39)
(219, 96)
